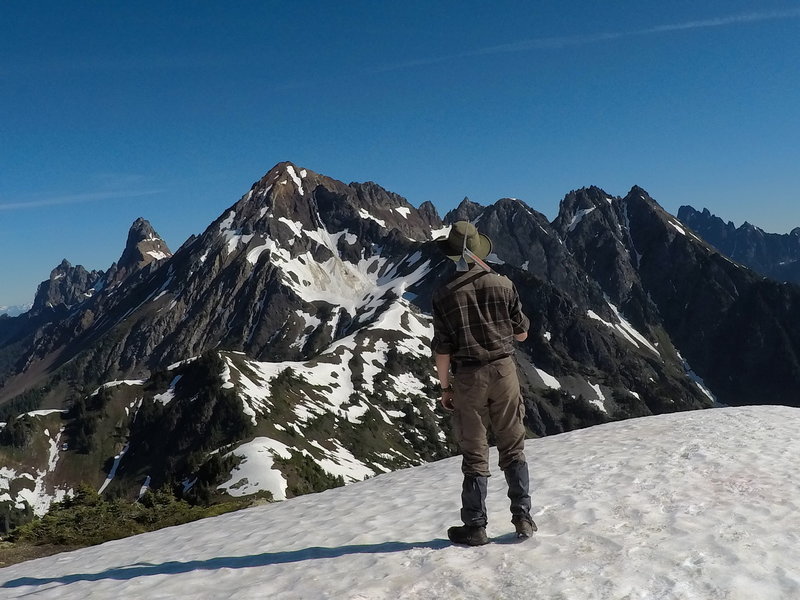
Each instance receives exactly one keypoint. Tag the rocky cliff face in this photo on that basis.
(735, 327)
(666, 278)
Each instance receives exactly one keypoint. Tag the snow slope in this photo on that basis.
(691, 506)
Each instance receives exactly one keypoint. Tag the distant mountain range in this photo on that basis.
(292, 338)
(14, 311)
(773, 255)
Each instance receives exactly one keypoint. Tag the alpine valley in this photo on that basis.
(285, 349)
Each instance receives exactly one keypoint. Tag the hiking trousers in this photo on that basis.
(488, 395)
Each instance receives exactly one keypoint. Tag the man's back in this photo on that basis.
(476, 315)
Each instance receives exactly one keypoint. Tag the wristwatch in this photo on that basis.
(449, 388)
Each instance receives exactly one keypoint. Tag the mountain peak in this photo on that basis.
(286, 174)
(690, 212)
(66, 287)
(144, 246)
(283, 167)
(467, 210)
(142, 228)
(286, 190)
(428, 212)
(579, 204)
(639, 193)
(586, 197)
(705, 223)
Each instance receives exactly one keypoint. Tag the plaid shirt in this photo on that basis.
(475, 317)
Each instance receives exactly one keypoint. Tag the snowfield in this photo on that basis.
(690, 506)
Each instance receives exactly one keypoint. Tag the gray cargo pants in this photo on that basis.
(489, 395)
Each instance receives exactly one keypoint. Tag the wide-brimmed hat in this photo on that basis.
(461, 232)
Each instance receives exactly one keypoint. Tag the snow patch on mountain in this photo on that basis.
(340, 380)
(364, 214)
(578, 217)
(145, 487)
(45, 412)
(226, 223)
(343, 283)
(441, 232)
(111, 384)
(548, 379)
(255, 253)
(630, 332)
(335, 281)
(32, 486)
(624, 328)
(113, 472)
(255, 473)
(340, 462)
(235, 238)
(295, 179)
(677, 227)
(167, 397)
(599, 399)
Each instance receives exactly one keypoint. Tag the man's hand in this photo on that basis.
(447, 400)
(443, 370)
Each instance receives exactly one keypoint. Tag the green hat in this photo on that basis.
(463, 231)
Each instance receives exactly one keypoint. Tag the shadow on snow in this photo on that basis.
(227, 562)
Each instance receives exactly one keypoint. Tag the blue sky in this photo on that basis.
(110, 111)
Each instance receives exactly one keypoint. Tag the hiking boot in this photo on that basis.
(469, 535)
(524, 526)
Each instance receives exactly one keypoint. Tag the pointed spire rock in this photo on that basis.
(144, 246)
(429, 215)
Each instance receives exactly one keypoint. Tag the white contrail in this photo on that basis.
(773, 15)
(594, 38)
(76, 199)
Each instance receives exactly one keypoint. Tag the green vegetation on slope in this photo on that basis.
(87, 519)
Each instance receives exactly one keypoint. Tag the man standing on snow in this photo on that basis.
(477, 315)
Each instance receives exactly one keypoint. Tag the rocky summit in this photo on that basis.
(285, 349)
